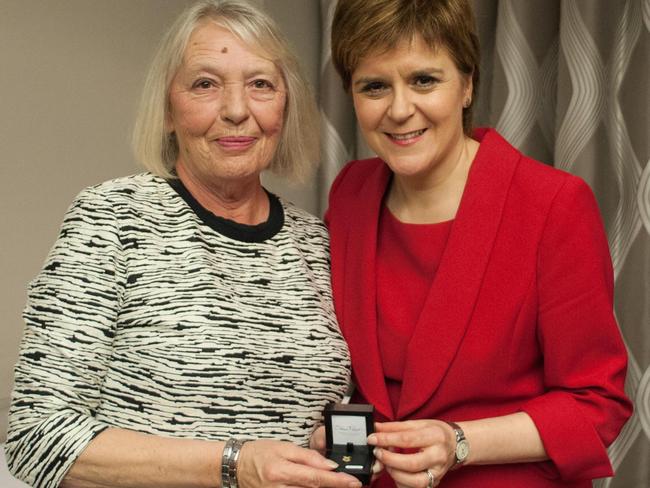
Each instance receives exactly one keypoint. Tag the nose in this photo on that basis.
(401, 106)
(234, 105)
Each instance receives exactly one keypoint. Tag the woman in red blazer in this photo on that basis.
(473, 285)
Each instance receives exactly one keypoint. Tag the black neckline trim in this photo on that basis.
(230, 228)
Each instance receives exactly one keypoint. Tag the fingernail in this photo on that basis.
(355, 484)
(376, 467)
(332, 464)
(372, 439)
(377, 452)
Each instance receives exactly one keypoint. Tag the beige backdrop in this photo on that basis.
(566, 81)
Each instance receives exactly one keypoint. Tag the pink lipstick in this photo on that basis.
(236, 142)
(405, 139)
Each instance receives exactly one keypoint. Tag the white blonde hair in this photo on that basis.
(157, 150)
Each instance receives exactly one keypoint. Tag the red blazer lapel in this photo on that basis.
(450, 303)
(359, 296)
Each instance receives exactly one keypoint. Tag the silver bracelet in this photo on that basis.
(229, 460)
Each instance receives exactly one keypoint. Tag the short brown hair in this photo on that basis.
(361, 27)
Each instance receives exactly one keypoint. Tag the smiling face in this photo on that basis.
(409, 104)
(226, 108)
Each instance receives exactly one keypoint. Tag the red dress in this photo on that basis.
(519, 315)
(408, 256)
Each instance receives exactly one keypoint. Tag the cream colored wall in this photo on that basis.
(70, 75)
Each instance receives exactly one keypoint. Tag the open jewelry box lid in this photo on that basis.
(347, 427)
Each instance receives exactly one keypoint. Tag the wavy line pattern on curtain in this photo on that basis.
(548, 99)
(521, 71)
(338, 128)
(587, 81)
(626, 223)
(643, 197)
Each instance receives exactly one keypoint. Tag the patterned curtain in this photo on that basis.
(338, 127)
(567, 82)
(340, 140)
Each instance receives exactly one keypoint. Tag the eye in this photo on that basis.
(261, 84)
(424, 81)
(374, 88)
(203, 84)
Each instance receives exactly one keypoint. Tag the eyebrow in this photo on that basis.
(197, 67)
(428, 71)
(198, 70)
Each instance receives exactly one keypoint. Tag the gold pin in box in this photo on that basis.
(347, 427)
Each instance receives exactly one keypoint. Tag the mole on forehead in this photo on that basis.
(224, 50)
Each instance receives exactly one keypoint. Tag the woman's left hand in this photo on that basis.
(317, 442)
(431, 445)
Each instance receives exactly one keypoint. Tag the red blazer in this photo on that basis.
(518, 318)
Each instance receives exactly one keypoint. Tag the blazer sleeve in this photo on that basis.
(66, 347)
(585, 358)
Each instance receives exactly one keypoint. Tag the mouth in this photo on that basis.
(236, 142)
(405, 138)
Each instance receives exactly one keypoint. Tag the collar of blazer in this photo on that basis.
(451, 299)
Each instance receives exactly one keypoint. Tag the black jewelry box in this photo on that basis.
(347, 427)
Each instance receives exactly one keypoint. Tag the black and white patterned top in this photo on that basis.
(154, 315)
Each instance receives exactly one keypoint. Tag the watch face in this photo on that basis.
(462, 450)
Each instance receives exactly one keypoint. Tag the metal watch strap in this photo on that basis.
(229, 460)
(460, 438)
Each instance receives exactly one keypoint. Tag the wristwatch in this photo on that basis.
(462, 445)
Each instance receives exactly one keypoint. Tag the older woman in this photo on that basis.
(473, 284)
(185, 310)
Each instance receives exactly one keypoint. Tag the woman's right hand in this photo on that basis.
(266, 463)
